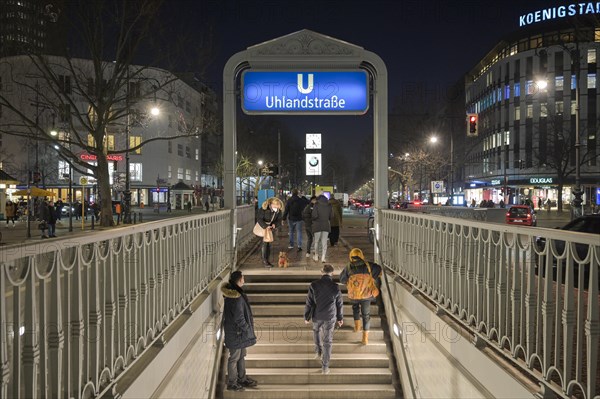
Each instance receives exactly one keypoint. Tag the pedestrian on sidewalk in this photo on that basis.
(238, 326)
(269, 217)
(324, 307)
(321, 226)
(361, 278)
(336, 221)
(293, 214)
(51, 219)
(307, 218)
(11, 212)
(206, 201)
(44, 216)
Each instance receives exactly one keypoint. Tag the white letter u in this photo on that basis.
(301, 88)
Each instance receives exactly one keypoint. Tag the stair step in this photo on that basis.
(264, 322)
(295, 335)
(306, 360)
(315, 391)
(314, 376)
(295, 309)
(285, 276)
(283, 346)
(290, 287)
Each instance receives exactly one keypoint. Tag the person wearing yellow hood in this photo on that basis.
(269, 216)
(356, 276)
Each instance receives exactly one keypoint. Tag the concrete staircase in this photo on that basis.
(282, 360)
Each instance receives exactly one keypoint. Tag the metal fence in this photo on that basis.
(246, 219)
(530, 293)
(77, 312)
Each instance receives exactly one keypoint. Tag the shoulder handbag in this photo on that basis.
(259, 231)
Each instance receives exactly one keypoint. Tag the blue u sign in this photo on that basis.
(341, 92)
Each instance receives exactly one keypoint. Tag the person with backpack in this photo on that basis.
(293, 214)
(324, 307)
(360, 278)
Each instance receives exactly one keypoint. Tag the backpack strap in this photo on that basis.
(369, 268)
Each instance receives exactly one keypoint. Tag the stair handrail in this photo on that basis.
(389, 294)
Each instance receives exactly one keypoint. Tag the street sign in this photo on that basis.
(83, 180)
(302, 92)
(313, 165)
(437, 187)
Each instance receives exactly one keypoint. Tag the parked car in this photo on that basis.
(588, 224)
(521, 214)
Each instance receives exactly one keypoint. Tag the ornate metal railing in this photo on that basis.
(531, 293)
(75, 313)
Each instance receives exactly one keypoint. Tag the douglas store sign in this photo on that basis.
(571, 10)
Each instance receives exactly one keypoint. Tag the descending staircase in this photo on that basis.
(282, 360)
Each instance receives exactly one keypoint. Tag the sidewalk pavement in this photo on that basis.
(10, 235)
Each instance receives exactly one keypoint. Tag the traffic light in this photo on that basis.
(472, 128)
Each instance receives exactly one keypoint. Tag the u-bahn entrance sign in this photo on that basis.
(299, 92)
(295, 57)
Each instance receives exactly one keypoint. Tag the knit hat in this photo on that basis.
(327, 268)
(356, 253)
(235, 277)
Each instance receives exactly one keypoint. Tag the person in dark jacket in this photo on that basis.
(358, 265)
(293, 214)
(336, 221)
(51, 220)
(321, 226)
(238, 326)
(269, 217)
(44, 216)
(324, 306)
(307, 217)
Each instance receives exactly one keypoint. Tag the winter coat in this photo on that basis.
(324, 301)
(265, 215)
(307, 216)
(51, 215)
(11, 210)
(358, 266)
(294, 207)
(238, 323)
(336, 208)
(44, 212)
(321, 215)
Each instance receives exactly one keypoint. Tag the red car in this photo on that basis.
(521, 214)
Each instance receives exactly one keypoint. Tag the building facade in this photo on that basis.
(177, 111)
(526, 92)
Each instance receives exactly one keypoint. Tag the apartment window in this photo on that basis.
(135, 171)
(197, 154)
(64, 113)
(188, 174)
(573, 82)
(64, 82)
(506, 92)
(591, 81)
(134, 141)
(169, 147)
(90, 173)
(169, 172)
(64, 170)
(180, 173)
(591, 56)
(188, 152)
(543, 110)
(507, 138)
(597, 35)
(197, 176)
(109, 142)
(529, 110)
(559, 83)
(170, 120)
(560, 107)
(529, 87)
(91, 141)
(134, 90)
(573, 107)
(180, 150)
(517, 113)
(517, 89)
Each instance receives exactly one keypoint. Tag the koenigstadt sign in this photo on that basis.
(571, 10)
(301, 92)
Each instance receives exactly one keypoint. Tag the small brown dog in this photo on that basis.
(283, 259)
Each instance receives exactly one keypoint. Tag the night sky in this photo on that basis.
(430, 44)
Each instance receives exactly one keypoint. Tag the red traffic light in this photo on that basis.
(473, 118)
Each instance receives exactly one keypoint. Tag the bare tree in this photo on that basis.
(95, 95)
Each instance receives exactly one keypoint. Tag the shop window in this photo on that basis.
(591, 56)
(591, 81)
(529, 111)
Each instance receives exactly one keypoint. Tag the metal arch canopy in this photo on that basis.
(304, 51)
